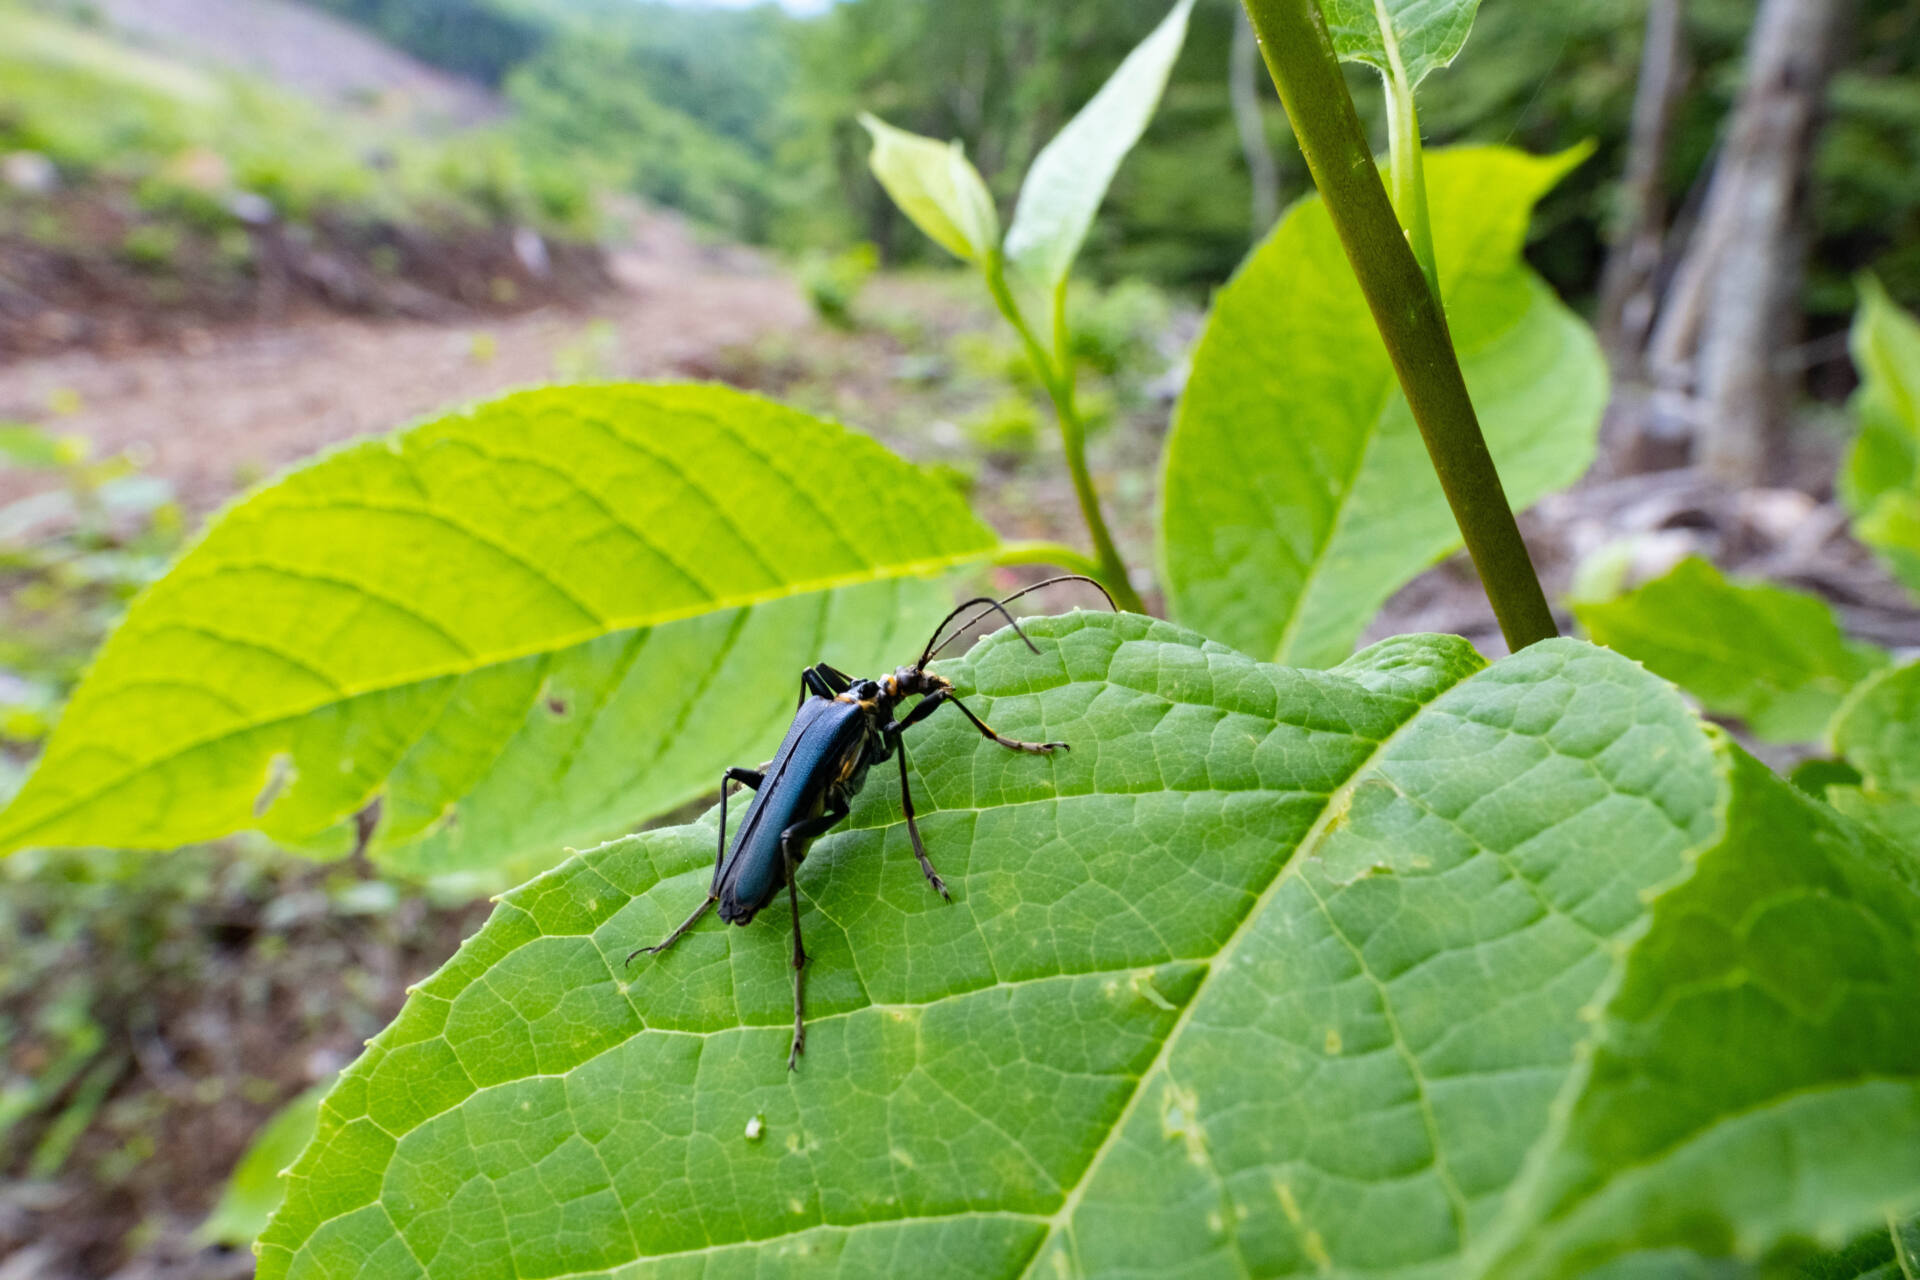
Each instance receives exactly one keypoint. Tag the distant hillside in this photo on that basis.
(473, 38)
(685, 105)
(151, 187)
(301, 48)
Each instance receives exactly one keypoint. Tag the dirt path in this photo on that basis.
(235, 406)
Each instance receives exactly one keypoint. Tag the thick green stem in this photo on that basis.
(1057, 377)
(1300, 57)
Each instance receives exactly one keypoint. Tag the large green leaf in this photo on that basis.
(1777, 984)
(1881, 478)
(1428, 33)
(1774, 658)
(1277, 972)
(1071, 174)
(521, 626)
(1298, 494)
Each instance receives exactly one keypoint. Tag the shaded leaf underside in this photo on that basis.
(1428, 33)
(1298, 493)
(1269, 959)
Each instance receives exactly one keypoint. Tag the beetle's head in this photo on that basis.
(908, 682)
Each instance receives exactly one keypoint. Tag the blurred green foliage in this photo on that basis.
(833, 281)
(71, 556)
(745, 118)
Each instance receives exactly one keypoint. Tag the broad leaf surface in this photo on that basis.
(522, 626)
(1774, 658)
(1429, 33)
(1298, 494)
(1777, 983)
(1277, 972)
(1881, 479)
(937, 187)
(1070, 176)
(1878, 732)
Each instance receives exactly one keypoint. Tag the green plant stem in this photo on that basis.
(1409, 176)
(1300, 57)
(1053, 553)
(1403, 152)
(1057, 377)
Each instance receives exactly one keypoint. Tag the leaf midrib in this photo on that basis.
(1336, 805)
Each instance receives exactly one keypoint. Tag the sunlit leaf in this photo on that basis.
(1409, 968)
(1071, 174)
(1298, 493)
(518, 627)
(1774, 658)
(936, 186)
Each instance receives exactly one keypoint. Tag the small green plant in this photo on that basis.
(151, 246)
(1008, 429)
(833, 281)
(1300, 961)
(940, 191)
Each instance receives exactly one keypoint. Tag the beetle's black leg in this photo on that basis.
(822, 681)
(752, 778)
(1038, 748)
(799, 961)
(913, 830)
(675, 936)
(795, 837)
(933, 701)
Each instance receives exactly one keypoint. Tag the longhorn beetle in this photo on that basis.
(841, 728)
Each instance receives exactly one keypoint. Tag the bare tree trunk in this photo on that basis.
(1627, 283)
(1244, 79)
(1735, 298)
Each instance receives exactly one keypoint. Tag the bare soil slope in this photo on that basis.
(225, 407)
(302, 49)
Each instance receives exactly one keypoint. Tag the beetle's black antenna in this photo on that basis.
(1001, 605)
(926, 655)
